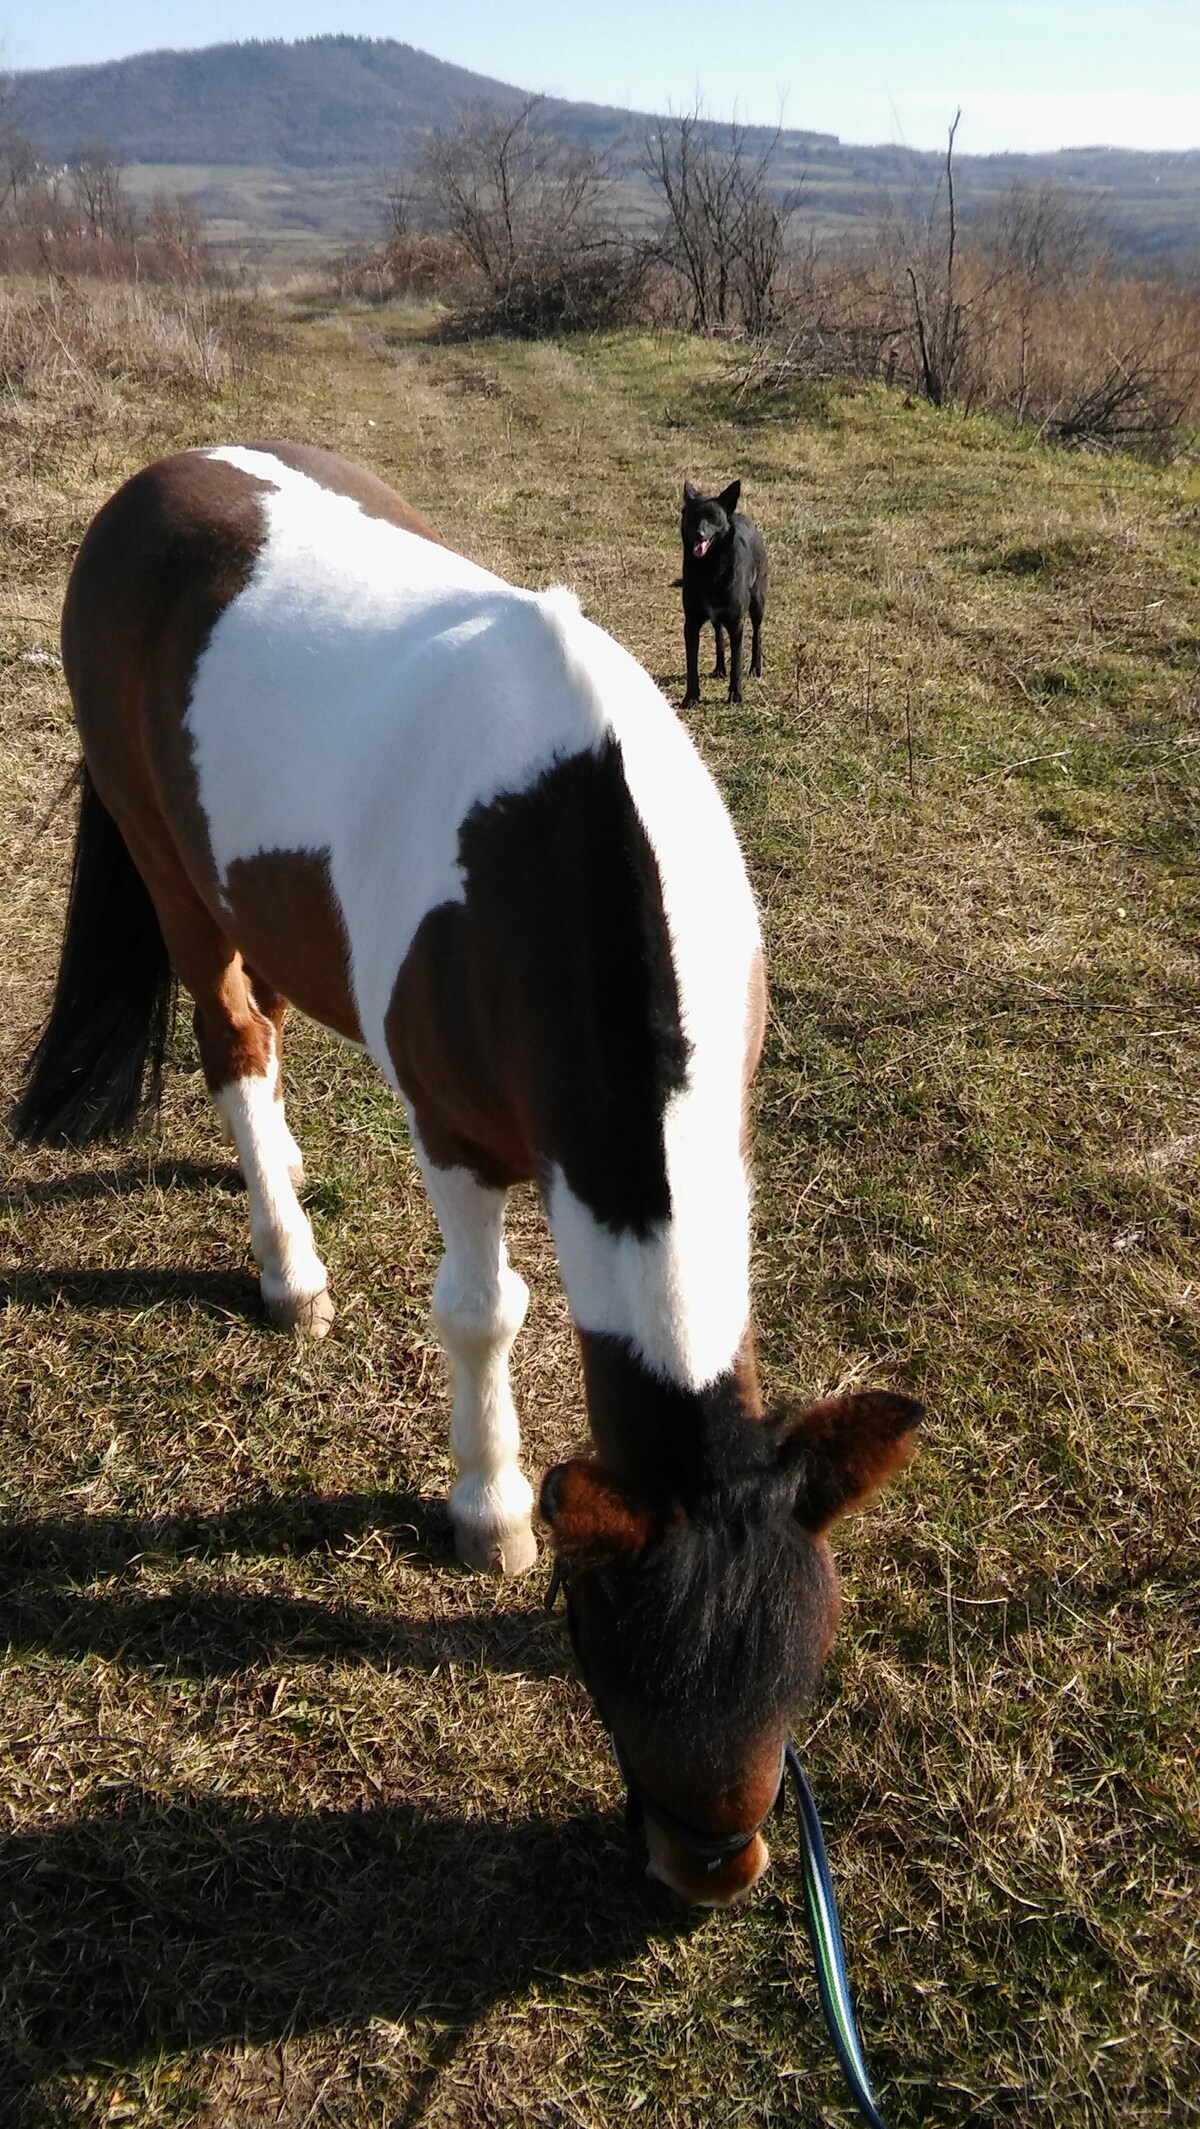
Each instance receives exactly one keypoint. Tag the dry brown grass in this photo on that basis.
(1085, 352)
(304, 1826)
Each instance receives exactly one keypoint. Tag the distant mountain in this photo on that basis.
(323, 103)
(323, 117)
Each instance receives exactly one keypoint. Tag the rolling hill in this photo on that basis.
(276, 137)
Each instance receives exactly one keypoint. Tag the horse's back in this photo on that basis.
(273, 656)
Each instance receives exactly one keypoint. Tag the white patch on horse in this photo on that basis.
(682, 1296)
(364, 692)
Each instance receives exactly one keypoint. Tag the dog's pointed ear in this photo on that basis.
(690, 491)
(840, 1451)
(728, 498)
(592, 1519)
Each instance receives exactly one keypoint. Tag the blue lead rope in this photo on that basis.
(825, 1933)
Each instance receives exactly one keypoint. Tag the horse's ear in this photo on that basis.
(690, 491)
(840, 1451)
(728, 498)
(591, 1519)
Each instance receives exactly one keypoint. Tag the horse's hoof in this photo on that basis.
(307, 1318)
(510, 1552)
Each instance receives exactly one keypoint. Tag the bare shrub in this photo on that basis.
(18, 156)
(531, 222)
(421, 265)
(75, 221)
(94, 185)
(1025, 314)
(1114, 365)
(550, 290)
(724, 233)
(503, 187)
(174, 245)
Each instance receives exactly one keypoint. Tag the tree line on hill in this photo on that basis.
(514, 230)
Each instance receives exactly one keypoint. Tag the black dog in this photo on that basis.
(724, 578)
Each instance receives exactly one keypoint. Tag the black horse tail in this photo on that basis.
(113, 1002)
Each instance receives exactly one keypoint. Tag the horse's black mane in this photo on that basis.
(714, 1623)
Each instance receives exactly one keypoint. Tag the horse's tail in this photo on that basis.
(113, 1002)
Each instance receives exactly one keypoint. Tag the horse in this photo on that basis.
(330, 762)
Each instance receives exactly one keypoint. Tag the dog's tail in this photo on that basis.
(113, 1000)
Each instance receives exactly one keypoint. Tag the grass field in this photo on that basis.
(301, 1825)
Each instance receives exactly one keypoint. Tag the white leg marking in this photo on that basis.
(292, 1153)
(479, 1305)
(293, 1277)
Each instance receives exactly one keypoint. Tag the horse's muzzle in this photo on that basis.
(705, 1884)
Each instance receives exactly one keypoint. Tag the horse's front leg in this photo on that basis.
(479, 1305)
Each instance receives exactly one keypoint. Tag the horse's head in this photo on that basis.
(702, 1619)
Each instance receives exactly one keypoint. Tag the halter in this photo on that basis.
(820, 1900)
(711, 1849)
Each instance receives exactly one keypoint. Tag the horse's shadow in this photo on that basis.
(123, 1182)
(189, 1922)
(199, 1923)
(285, 1525)
(196, 1631)
(185, 1923)
(224, 1294)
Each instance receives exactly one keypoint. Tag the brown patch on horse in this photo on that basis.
(745, 1375)
(288, 924)
(746, 1364)
(237, 1039)
(452, 1063)
(372, 495)
(663, 1775)
(591, 1519)
(156, 570)
(756, 1029)
(654, 1434)
(535, 1024)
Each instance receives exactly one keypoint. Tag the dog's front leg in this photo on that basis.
(691, 651)
(718, 671)
(735, 660)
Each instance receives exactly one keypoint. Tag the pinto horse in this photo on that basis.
(330, 762)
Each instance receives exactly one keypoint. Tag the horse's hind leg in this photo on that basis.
(239, 1052)
(237, 1024)
(270, 1002)
(479, 1305)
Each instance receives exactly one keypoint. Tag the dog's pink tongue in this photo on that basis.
(701, 549)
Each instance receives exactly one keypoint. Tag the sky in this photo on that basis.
(1028, 74)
